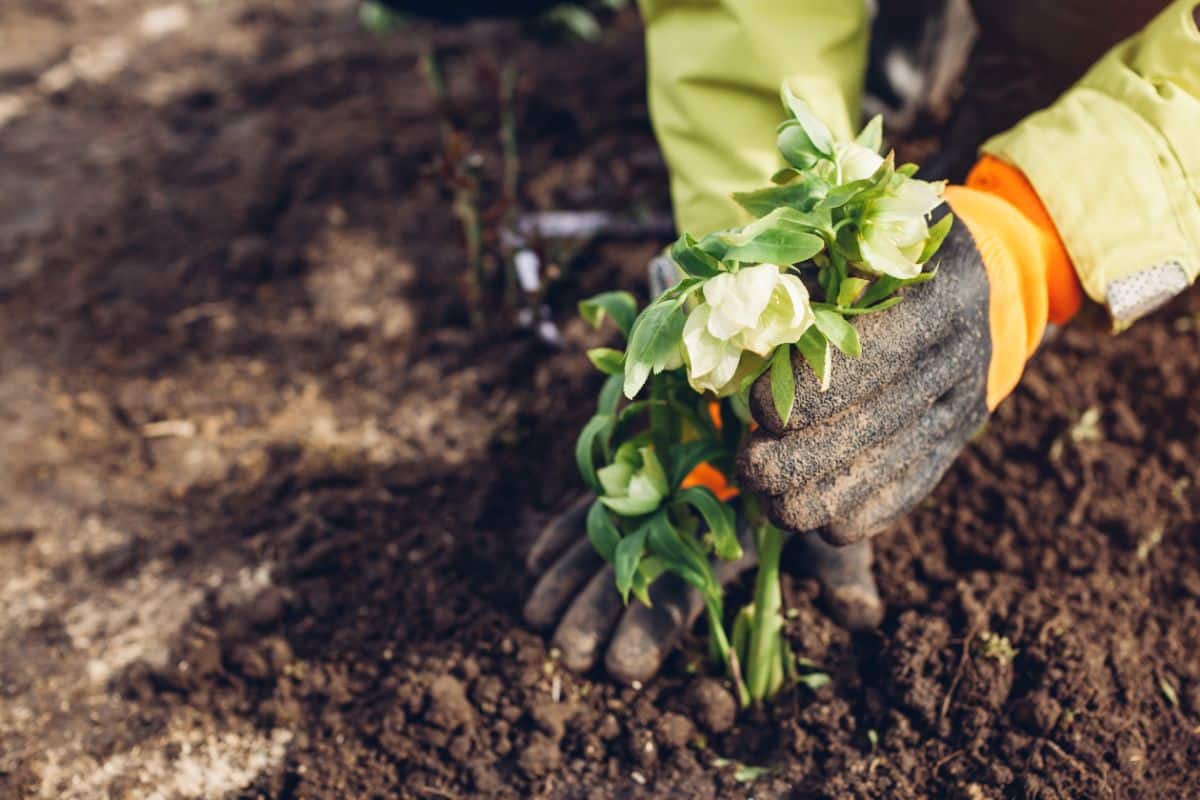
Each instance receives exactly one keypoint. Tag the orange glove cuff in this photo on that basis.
(1064, 293)
(1029, 272)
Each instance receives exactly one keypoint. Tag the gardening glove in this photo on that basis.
(577, 597)
(853, 459)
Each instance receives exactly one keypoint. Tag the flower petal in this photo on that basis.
(855, 161)
(881, 256)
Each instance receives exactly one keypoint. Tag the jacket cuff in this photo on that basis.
(1115, 164)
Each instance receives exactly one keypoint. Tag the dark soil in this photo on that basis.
(266, 491)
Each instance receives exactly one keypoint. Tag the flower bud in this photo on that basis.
(635, 483)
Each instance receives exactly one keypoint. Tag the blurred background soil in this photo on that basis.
(264, 490)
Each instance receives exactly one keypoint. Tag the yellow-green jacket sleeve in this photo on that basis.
(1116, 161)
(715, 67)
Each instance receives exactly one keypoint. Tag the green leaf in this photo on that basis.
(722, 524)
(746, 773)
(783, 236)
(687, 456)
(922, 278)
(937, 235)
(607, 360)
(851, 289)
(796, 148)
(619, 305)
(785, 175)
(815, 348)
(847, 242)
(1168, 692)
(652, 468)
(856, 311)
(878, 290)
(814, 680)
(664, 541)
(838, 331)
(651, 567)
(783, 382)
(626, 557)
(601, 532)
(841, 195)
(572, 19)
(692, 260)
(907, 170)
(653, 343)
(880, 306)
(816, 130)
(886, 286)
(797, 194)
(880, 180)
(680, 291)
(647, 573)
(378, 18)
(632, 410)
(871, 136)
(750, 369)
(610, 395)
(595, 432)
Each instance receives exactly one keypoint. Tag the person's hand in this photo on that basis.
(577, 597)
(855, 458)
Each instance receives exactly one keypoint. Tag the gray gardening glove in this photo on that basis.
(855, 458)
(577, 598)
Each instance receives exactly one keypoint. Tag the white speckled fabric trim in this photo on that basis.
(1134, 296)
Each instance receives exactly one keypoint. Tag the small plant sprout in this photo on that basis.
(996, 647)
(839, 233)
(1168, 692)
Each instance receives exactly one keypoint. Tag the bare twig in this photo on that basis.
(958, 672)
(512, 170)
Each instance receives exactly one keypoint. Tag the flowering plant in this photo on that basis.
(838, 234)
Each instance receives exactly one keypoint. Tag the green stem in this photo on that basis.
(725, 653)
(468, 217)
(767, 630)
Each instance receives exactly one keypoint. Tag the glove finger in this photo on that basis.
(871, 480)
(645, 635)
(563, 530)
(559, 583)
(952, 423)
(588, 621)
(847, 584)
(777, 464)
(954, 305)
(594, 612)
(897, 498)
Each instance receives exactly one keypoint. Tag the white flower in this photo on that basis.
(894, 231)
(751, 311)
